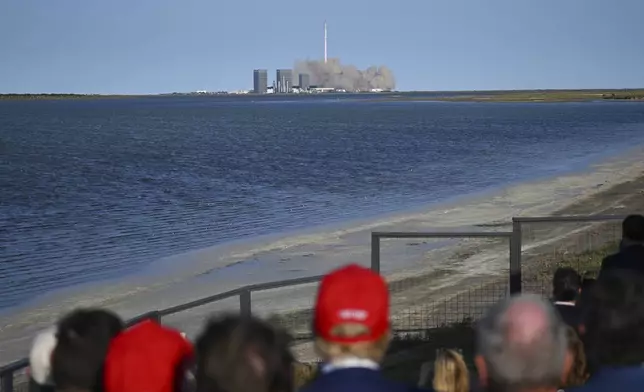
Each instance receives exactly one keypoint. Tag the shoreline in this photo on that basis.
(244, 251)
(546, 95)
(417, 260)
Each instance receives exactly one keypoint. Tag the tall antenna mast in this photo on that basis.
(325, 42)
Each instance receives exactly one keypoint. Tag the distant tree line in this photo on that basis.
(55, 96)
(628, 95)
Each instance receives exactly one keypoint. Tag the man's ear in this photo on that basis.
(481, 367)
(256, 363)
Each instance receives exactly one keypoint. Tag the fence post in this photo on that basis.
(6, 381)
(375, 252)
(156, 316)
(515, 257)
(245, 303)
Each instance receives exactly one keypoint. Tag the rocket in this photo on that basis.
(325, 42)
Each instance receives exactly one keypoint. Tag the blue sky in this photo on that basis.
(151, 46)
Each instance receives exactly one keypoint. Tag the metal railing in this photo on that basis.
(245, 293)
(545, 231)
(245, 306)
(515, 256)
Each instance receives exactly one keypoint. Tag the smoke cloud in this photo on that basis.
(333, 74)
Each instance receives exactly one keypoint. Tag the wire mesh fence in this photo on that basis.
(552, 243)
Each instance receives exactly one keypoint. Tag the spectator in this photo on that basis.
(566, 285)
(40, 378)
(82, 341)
(522, 346)
(450, 373)
(631, 247)
(352, 333)
(236, 354)
(148, 357)
(613, 333)
(578, 373)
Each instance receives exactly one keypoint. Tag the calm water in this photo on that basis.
(98, 189)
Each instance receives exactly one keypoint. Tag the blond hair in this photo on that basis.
(303, 373)
(578, 373)
(450, 373)
(374, 350)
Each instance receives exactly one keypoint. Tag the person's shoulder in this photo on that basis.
(418, 389)
(609, 260)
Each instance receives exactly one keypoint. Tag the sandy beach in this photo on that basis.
(425, 275)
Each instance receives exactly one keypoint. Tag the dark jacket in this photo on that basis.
(629, 257)
(569, 314)
(356, 380)
(628, 379)
(35, 387)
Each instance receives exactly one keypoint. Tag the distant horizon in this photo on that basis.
(344, 93)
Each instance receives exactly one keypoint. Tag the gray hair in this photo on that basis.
(523, 342)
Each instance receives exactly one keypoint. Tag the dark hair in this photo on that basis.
(83, 339)
(633, 228)
(566, 284)
(239, 354)
(612, 316)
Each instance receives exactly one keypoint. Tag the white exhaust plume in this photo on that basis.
(333, 74)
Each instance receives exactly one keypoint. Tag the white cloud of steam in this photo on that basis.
(333, 74)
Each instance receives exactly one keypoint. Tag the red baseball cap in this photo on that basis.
(146, 357)
(356, 295)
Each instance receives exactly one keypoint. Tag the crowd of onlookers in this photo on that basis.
(589, 338)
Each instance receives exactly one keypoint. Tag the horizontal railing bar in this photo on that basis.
(568, 218)
(14, 366)
(200, 302)
(233, 293)
(145, 316)
(458, 234)
(283, 283)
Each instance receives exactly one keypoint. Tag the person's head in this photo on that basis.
(243, 354)
(351, 317)
(578, 372)
(40, 357)
(522, 346)
(566, 284)
(82, 341)
(450, 373)
(633, 228)
(147, 357)
(612, 320)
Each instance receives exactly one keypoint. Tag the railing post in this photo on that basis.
(156, 316)
(6, 381)
(515, 257)
(245, 303)
(375, 252)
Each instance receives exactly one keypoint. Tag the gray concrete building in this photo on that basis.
(284, 80)
(260, 81)
(305, 81)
